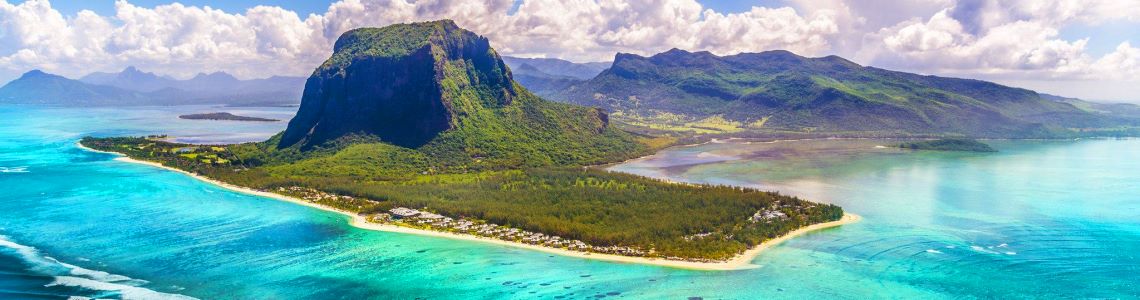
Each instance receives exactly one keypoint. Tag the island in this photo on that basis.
(949, 144)
(224, 116)
(463, 151)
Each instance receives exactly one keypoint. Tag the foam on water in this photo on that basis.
(13, 169)
(78, 277)
(121, 290)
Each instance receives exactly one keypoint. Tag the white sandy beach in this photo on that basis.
(741, 261)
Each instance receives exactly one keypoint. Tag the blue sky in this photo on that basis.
(1103, 38)
(1083, 48)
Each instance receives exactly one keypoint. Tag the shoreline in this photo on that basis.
(739, 262)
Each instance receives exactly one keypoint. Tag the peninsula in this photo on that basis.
(224, 116)
(420, 128)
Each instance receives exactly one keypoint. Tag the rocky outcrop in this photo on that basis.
(404, 84)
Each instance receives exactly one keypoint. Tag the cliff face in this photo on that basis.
(443, 92)
(404, 83)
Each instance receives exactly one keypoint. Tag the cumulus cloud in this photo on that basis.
(1007, 39)
(1018, 39)
(262, 41)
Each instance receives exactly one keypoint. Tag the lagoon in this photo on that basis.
(1037, 219)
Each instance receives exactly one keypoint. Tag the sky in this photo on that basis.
(1078, 48)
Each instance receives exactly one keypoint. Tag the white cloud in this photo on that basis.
(1015, 39)
(1008, 39)
(262, 41)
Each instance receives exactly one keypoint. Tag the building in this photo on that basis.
(404, 212)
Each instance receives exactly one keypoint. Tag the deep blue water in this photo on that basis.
(1057, 219)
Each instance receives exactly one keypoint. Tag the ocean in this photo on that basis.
(1039, 219)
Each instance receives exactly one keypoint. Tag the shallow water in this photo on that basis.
(1038, 219)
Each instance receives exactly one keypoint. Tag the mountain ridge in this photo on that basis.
(779, 90)
(135, 87)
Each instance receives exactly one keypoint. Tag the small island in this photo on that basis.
(964, 145)
(224, 116)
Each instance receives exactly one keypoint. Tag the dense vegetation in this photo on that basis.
(778, 91)
(967, 145)
(595, 206)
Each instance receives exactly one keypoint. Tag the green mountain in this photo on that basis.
(442, 91)
(781, 91)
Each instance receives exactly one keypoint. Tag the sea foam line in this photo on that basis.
(13, 169)
(75, 276)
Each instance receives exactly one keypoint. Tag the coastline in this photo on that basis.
(739, 262)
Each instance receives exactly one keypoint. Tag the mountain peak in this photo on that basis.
(441, 90)
(397, 39)
(418, 78)
(35, 73)
(215, 76)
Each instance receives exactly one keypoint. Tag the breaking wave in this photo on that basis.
(88, 283)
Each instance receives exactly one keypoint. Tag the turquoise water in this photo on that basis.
(1036, 220)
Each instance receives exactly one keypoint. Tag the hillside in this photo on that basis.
(426, 116)
(781, 91)
(1123, 111)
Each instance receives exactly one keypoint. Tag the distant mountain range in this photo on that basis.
(556, 67)
(1114, 110)
(550, 75)
(135, 87)
(782, 91)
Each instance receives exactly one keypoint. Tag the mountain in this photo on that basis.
(37, 87)
(442, 90)
(135, 87)
(545, 76)
(781, 91)
(558, 67)
(130, 79)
